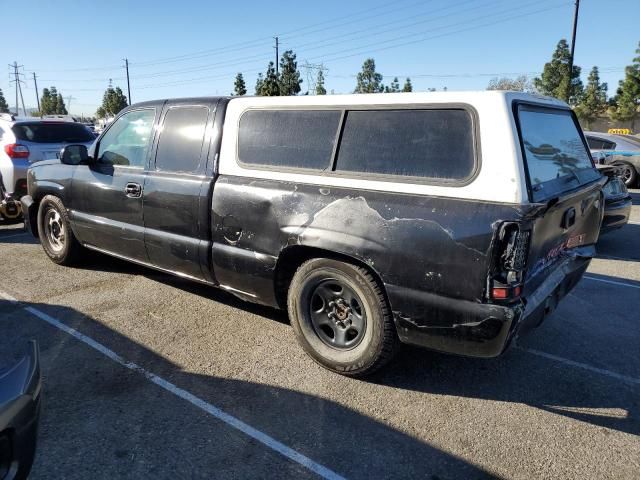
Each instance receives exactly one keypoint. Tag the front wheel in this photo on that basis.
(54, 230)
(340, 317)
(628, 174)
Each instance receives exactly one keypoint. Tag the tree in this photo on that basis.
(407, 85)
(628, 98)
(519, 84)
(555, 80)
(259, 83)
(594, 100)
(46, 105)
(320, 90)
(269, 86)
(52, 103)
(4, 107)
(394, 87)
(113, 101)
(239, 87)
(369, 81)
(289, 79)
(61, 108)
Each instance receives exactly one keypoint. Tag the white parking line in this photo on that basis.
(613, 282)
(584, 366)
(230, 420)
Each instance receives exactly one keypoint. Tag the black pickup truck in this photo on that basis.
(453, 221)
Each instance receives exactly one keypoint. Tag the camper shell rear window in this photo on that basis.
(556, 156)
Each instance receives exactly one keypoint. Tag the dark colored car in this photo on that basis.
(617, 199)
(453, 221)
(20, 397)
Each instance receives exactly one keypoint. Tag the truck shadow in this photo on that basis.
(514, 377)
(315, 427)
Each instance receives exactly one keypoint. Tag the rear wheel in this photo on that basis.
(628, 174)
(340, 317)
(54, 230)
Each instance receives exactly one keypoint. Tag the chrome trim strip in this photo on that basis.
(235, 290)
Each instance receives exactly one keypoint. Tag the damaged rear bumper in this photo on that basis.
(473, 329)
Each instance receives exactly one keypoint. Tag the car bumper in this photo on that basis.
(20, 399)
(616, 213)
(473, 329)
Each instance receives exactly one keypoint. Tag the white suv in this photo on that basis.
(24, 141)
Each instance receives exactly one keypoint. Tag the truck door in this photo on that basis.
(106, 204)
(176, 191)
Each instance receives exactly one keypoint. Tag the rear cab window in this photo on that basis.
(555, 155)
(52, 132)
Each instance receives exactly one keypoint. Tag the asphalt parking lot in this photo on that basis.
(162, 378)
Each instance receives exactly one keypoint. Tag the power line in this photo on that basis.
(374, 31)
(260, 41)
(362, 50)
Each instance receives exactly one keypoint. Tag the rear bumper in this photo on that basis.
(473, 329)
(616, 214)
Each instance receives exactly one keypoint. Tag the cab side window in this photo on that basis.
(180, 144)
(128, 140)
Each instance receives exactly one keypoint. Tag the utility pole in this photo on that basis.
(35, 82)
(277, 55)
(17, 80)
(126, 66)
(573, 42)
(69, 98)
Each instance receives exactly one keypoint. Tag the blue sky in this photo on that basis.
(195, 47)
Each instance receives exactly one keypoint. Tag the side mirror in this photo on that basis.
(74, 155)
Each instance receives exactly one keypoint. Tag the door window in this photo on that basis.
(127, 140)
(180, 143)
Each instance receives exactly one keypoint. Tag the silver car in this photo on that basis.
(24, 141)
(621, 150)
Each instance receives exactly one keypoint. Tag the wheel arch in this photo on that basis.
(293, 256)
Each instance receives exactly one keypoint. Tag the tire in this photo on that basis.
(54, 231)
(629, 174)
(341, 318)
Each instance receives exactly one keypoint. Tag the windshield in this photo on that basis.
(46, 132)
(556, 156)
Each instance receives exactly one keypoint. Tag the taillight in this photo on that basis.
(15, 150)
(510, 262)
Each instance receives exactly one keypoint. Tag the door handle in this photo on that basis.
(569, 218)
(133, 190)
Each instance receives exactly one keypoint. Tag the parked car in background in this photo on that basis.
(454, 221)
(20, 399)
(617, 200)
(622, 150)
(27, 140)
